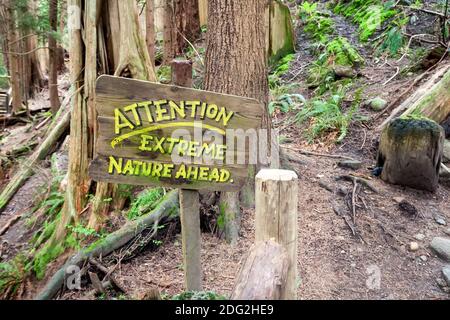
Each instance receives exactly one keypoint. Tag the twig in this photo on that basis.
(192, 46)
(362, 181)
(409, 45)
(10, 223)
(107, 273)
(343, 216)
(393, 77)
(316, 154)
(355, 186)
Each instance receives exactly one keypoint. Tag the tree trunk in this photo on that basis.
(53, 56)
(150, 36)
(104, 48)
(62, 24)
(181, 23)
(236, 63)
(264, 273)
(13, 58)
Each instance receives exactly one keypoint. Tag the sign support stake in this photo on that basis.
(189, 202)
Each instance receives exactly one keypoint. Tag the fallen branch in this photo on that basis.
(168, 209)
(393, 77)
(10, 223)
(362, 181)
(316, 154)
(108, 274)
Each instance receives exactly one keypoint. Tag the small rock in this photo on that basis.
(419, 237)
(424, 258)
(399, 199)
(440, 221)
(441, 283)
(446, 274)
(353, 265)
(447, 232)
(414, 246)
(344, 72)
(377, 104)
(442, 247)
(350, 164)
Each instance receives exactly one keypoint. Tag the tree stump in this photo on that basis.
(411, 153)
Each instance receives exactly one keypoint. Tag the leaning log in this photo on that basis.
(264, 273)
(26, 170)
(167, 210)
(410, 153)
(419, 96)
(435, 104)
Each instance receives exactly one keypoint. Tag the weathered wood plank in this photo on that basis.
(156, 124)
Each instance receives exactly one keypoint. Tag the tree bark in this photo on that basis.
(181, 22)
(236, 63)
(112, 42)
(13, 58)
(53, 56)
(435, 104)
(150, 36)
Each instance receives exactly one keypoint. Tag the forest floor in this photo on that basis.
(376, 263)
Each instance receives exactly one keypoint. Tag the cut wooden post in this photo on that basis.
(189, 202)
(276, 218)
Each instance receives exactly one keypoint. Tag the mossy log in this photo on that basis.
(167, 210)
(263, 274)
(410, 153)
(425, 98)
(27, 168)
(435, 104)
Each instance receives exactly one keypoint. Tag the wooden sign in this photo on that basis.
(143, 127)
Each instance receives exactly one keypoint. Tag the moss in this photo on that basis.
(44, 257)
(414, 127)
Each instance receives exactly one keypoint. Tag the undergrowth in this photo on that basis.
(328, 115)
(373, 16)
(146, 202)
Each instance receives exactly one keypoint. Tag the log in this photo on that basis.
(435, 104)
(264, 273)
(410, 153)
(167, 210)
(276, 218)
(417, 96)
(27, 168)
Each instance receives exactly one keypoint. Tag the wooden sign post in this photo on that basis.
(189, 203)
(169, 136)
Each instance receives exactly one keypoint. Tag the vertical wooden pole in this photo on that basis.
(189, 202)
(276, 217)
